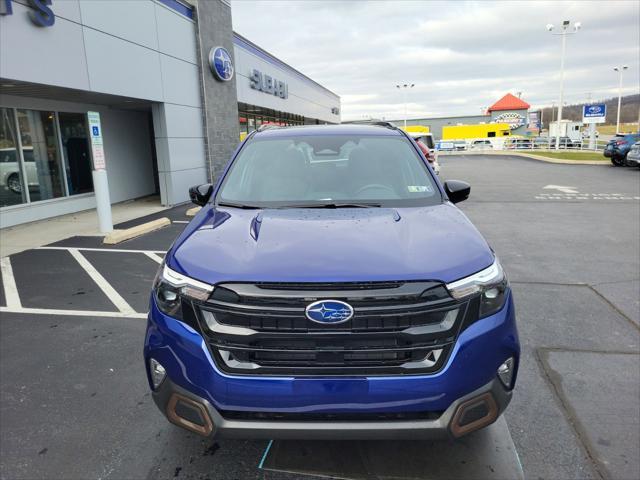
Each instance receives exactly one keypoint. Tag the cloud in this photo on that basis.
(462, 56)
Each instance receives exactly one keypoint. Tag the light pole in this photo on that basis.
(404, 88)
(619, 70)
(565, 30)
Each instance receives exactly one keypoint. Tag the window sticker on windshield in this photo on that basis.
(417, 188)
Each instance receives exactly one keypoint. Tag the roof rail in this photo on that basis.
(262, 128)
(377, 123)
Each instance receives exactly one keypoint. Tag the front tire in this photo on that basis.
(13, 182)
(617, 161)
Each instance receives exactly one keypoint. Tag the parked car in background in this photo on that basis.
(445, 146)
(541, 142)
(565, 142)
(460, 145)
(619, 146)
(518, 144)
(10, 169)
(481, 145)
(633, 157)
(430, 155)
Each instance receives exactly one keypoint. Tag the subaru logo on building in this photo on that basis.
(221, 64)
(329, 311)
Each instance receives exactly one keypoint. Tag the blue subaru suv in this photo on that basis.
(330, 288)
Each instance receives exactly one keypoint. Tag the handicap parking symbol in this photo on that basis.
(95, 131)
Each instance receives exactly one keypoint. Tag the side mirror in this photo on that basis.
(200, 194)
(456, 190)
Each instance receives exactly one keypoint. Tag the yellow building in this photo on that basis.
(415, 129)
(486, 130)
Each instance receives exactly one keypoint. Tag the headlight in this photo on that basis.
(171, 287)
(491, 283)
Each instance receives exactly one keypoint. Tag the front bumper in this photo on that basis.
(633, 160)
(198, 415)
(231, 402)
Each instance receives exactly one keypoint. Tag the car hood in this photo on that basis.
(330, 245)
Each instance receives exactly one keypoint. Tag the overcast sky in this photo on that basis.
(462, 56)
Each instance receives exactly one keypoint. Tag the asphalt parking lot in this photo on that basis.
(75, 401)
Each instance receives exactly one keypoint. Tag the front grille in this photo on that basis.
(397, 328)
(330, 417)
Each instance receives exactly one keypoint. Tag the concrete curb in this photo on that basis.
(118, 236)
(192, 211)
(562, 161)
(527, 155)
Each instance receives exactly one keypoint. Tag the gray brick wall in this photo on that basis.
(222, 132)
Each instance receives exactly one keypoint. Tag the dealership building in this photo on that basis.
(169, 89)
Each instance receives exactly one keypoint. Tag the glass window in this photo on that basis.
(40, 152)
(312, 170)
(243, 124)
(75, 148)
(11, 182)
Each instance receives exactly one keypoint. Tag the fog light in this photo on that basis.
(157, 373)
(505, 372)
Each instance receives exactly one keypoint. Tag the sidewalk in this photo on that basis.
(30, 235)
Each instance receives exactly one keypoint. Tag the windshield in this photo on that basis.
(331, 170)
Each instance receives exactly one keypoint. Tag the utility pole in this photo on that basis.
(619, 70)
(404, 88)
(563, 33)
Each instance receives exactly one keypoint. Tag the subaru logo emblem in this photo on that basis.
(221, 64)
(329, 311)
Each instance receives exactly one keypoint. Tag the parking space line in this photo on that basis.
(77, 313)
(11, 294)
(120, 303)
(154, 257)
(180, 221)
(92, 249)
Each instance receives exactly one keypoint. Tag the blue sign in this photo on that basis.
(96, 131)
(598, 110)
(329, 311)
(41, 15)
(221, 64)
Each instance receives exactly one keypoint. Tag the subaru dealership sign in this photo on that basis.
(594, 113)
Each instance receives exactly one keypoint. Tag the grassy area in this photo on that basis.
(574, 155)
(611, 129)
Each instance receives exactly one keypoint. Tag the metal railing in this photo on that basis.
(520, 144)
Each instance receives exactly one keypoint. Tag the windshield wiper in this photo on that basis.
(334, 205)
(238, 205)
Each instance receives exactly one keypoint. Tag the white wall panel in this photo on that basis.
(185, 153)
(122, 68)
(183, 121)
(132, 20)
(53, 55)
(180, 81)
(127, 147)
(68, 9)
(177, 34)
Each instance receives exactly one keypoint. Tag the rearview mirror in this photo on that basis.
(200, 194)
(456, 190)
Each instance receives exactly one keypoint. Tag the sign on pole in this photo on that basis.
(97, 148)
(594, 113)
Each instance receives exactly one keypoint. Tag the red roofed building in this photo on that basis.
(512, 110)
(509, 102)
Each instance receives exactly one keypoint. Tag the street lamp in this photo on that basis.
(404, 88)
(619, 70)
(564, 31)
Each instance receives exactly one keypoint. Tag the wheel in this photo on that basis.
(13, 182)
(617, 161)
